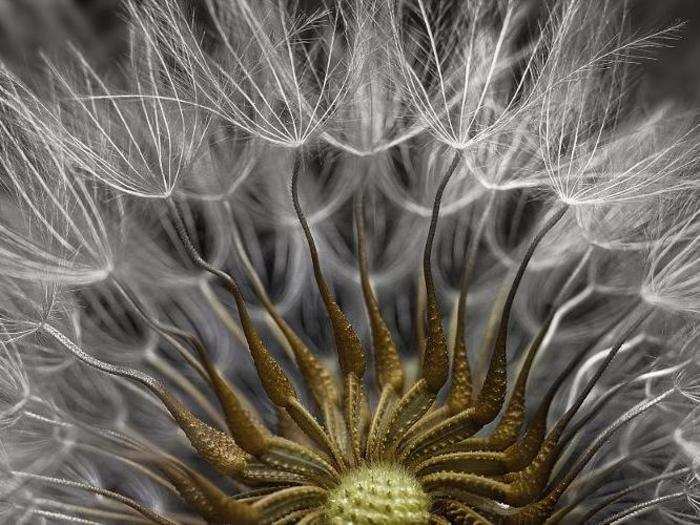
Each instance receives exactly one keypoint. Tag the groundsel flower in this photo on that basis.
(246, 280)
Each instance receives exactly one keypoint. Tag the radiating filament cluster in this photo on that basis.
(514, 142)
(415, 456)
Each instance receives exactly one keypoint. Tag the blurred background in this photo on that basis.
(675, 73)
(28, 27)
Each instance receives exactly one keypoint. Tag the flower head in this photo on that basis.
(445, 320)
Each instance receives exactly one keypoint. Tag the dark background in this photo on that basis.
(676, 72)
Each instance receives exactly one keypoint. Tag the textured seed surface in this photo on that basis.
(383, 494)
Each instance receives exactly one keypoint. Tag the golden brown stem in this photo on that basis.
(436, 366)
(388, 368)
(273, 378)
(318, 378)
(351, 355)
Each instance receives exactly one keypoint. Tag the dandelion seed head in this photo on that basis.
(419, 261)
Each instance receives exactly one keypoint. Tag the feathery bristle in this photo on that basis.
(368, 262)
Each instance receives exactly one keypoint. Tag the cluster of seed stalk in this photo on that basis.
(418, 455)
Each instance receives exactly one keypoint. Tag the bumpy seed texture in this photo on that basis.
(382, 494)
